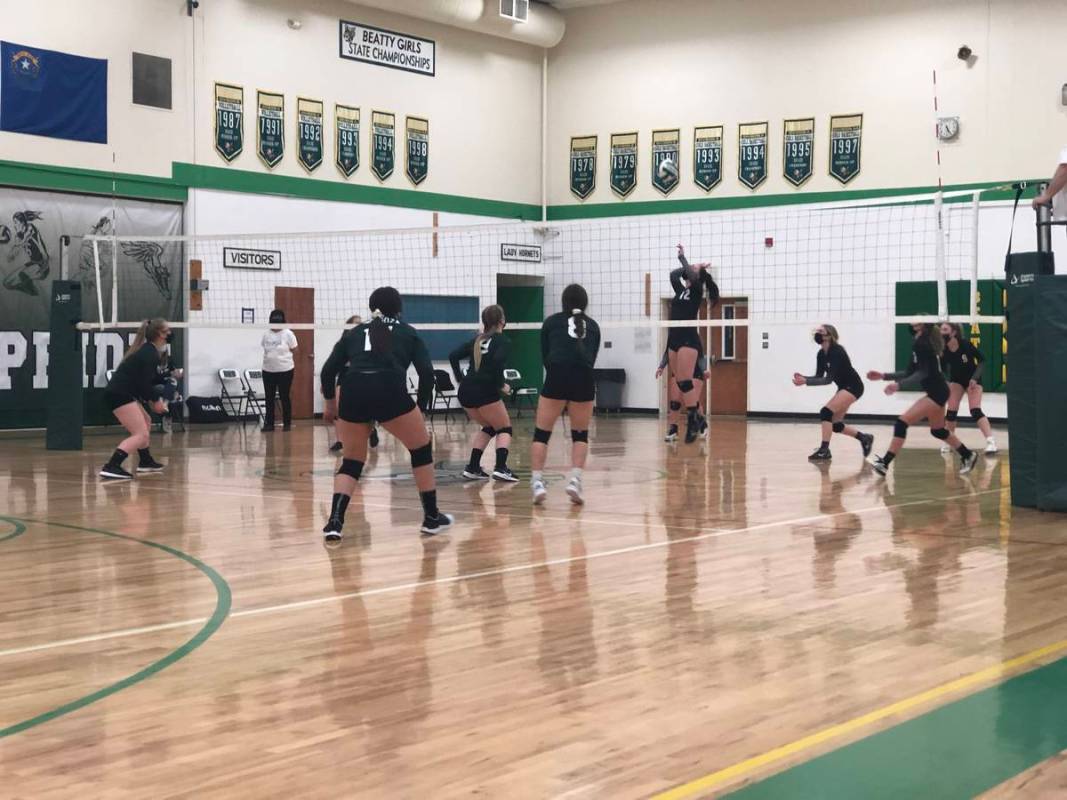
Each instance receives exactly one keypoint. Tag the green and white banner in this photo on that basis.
(707, 156)
(309, 133)
(752, 153)
(346, 148)
(270, 137)
(383, 135)
(583, 166)
(418, 141)
(229, 120)
(846, 138)
(798, 147)
(666, 147)
(623, 177)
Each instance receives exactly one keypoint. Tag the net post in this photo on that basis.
(114, 281)
(976, 199)
(99, 290)
(939, 256)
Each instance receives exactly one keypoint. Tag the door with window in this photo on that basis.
(298, 303)
(729, 346)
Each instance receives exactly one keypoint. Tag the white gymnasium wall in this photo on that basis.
(648, 64)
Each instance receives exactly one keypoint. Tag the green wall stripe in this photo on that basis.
(957, 751)
(90, 181)
(224, 600)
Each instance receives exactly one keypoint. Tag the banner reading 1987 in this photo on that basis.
(229, 120)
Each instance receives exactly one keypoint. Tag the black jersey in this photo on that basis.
(834, 366)
(495, 350)
(353, 349)
(135, 375)
(924, 371)
(560, 343)
(687, 298)
(965, 364)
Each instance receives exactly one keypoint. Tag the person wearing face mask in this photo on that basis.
(832, 365)
(278, 366)
(133, 383)
(965, 363)
(924, 372)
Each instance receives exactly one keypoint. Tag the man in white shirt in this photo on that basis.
(1056, 193)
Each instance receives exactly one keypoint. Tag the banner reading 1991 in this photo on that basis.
(583, 166)
(270, 138)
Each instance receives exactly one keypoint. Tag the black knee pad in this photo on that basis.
(838, 427)
(351, 468)
(825, 414)
(940, 433)
(502, 431)
(977, 414)
(952, 416)
(579, 436)
(489, 431)
(541, 435)
(675, 405)
(900, 429)
(421, 456)
(685, 386)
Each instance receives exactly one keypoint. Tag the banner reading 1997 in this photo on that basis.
(346, 147)
(798, 143)
(583, 166)
(383, 135)
(846, 135)
(309, 133)
(270, 138)
(752, 153)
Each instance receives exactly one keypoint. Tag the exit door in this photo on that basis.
(729, 346)
(299, 306)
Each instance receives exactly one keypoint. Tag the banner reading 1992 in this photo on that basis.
(309, 133)
(846, 135)
(583, 166)
(752, 153)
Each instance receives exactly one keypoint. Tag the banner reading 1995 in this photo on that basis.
(583, 166)
(752, 153)
(846, 135)
(798, 142)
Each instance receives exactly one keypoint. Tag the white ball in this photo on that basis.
(668, 170)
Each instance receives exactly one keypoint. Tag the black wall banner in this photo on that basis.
(346, 120)
(583, 166)
(666, 146)
(309, 133)
(798, 146)
(846, 138)
(270, 130)
(418, 146)
(150, 279)
(752, 153)
(623, 176)
(383, 136)
(707, 156)
(229, 120)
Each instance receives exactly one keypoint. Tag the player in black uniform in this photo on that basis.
(569, 344)
(133, 383)
(479, 394)
(336, 447)
(965, 363)
(689, 283)
(374, 389)
(832, 365)
(924, 372)
(674, 395)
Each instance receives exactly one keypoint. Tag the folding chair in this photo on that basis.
(444, 391)
(519, 392)
(233, 393)
(255, 394)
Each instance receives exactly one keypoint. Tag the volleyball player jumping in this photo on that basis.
(674, 395)
(479, 394)
(569, 344)
(689, 284)
(374, 389)
(965, 363)
(924, 371)
(832, 365)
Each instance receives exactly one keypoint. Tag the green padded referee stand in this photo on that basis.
(64, 398)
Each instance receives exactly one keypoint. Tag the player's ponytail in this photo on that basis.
(575, 301)
(385, 303)
(933, 337)
(492, 316)
(710, 287)
(148, 332)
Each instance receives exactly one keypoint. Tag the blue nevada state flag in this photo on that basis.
(49, 93)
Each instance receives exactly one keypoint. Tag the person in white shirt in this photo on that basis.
(1056, 193)
(278, 346)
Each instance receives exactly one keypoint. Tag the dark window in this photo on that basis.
(151, 81)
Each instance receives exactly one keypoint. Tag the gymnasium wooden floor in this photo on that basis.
(715, 618)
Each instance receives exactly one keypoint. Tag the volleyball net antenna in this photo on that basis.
(793, 264)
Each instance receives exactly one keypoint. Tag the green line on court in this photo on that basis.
(957, 751)
(222, 610)
(19, 529)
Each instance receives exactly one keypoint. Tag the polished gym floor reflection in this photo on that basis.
(716, 614)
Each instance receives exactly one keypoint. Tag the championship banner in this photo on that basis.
(846, 135)
(229, 120)
(270, 133)
(752, 153)
(623, 177)
(383, 136)
(797, 149)
(707, 156)
(346, 139)
(309, 133)
(583, 166)
(666, 146)
(418, 141)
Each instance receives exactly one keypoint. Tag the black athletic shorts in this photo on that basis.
(936, 390)
(115, 400)
(854, 389)
(475, 394)
(569, 382)
(374, 396)
(683, 337)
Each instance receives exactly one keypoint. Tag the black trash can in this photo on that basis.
(609, 386)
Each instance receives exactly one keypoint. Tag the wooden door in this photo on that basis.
(729, 345)
(299, 306)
